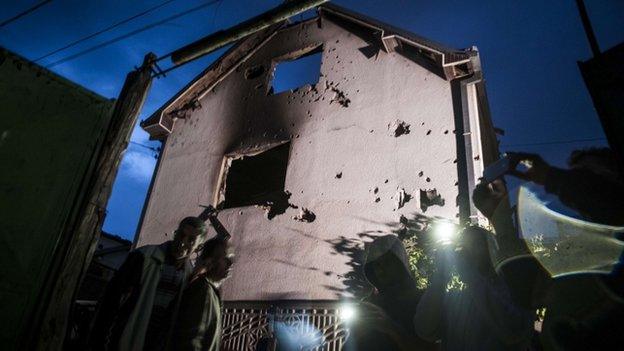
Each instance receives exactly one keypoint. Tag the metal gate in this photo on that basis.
(307, 325)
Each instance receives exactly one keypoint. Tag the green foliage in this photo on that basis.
(421, 251)
(455, 283)
(420, 261)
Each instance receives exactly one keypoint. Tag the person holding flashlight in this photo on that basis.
(594, 186)
(482, 315)
(384, 319)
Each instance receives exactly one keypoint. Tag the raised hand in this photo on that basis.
(487, 196)
(537, 167)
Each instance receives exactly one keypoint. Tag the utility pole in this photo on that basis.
(221, 38)
(589, 31)
(604, 77)
(49, 325)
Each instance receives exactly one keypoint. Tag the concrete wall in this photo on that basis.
(283, 258)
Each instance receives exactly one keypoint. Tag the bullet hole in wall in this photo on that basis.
(276, 204)
(398, 128)
(340, 98)
(402, 198)
(305, 215)
(430, 197)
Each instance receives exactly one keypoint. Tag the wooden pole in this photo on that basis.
(219, 39)
(589, 31)
(73, 256)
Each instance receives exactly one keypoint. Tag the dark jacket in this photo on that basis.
(482, 315)
(125, 308)
(384, 320)
(595, 196)
(397, 295)
(198, 324)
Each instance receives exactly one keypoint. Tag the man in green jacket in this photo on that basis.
(133, 311)
(198, 326)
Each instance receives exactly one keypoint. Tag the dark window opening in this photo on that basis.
(254, 180)
(297, 72)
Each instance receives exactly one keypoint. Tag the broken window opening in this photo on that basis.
(255, 179)
(295, 72)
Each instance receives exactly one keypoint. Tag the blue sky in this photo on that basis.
(529, 51)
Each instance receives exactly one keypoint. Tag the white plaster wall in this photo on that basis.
(283, 258)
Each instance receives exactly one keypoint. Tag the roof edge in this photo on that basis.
(389, 31)
(451, 63)
(160, 123)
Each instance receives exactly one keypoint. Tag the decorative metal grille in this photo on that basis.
(313, 326)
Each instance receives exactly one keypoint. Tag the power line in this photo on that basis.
(571, 141)
(129, 34)
(214, 15)
(155, 149)
(115, 25)
(24, 13)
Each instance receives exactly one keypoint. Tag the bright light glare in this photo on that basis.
(346, 313)
(445, 232)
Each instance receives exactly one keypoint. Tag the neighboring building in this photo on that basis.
(52, 135)
(603, 75)
(111, 251)
(110, 254)
(391, 127)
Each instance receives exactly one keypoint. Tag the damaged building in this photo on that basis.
(308, 167)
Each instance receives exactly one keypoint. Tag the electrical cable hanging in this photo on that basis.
(104, 30)
(23, 13)
(554, 142)
(155, 149)
(129, 34)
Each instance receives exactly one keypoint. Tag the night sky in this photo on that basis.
(529, 51)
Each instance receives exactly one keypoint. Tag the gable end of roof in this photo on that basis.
(446, 62)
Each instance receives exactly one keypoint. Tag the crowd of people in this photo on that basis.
(159, 301)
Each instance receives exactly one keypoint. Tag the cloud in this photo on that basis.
(141, 136)
(138, 166)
